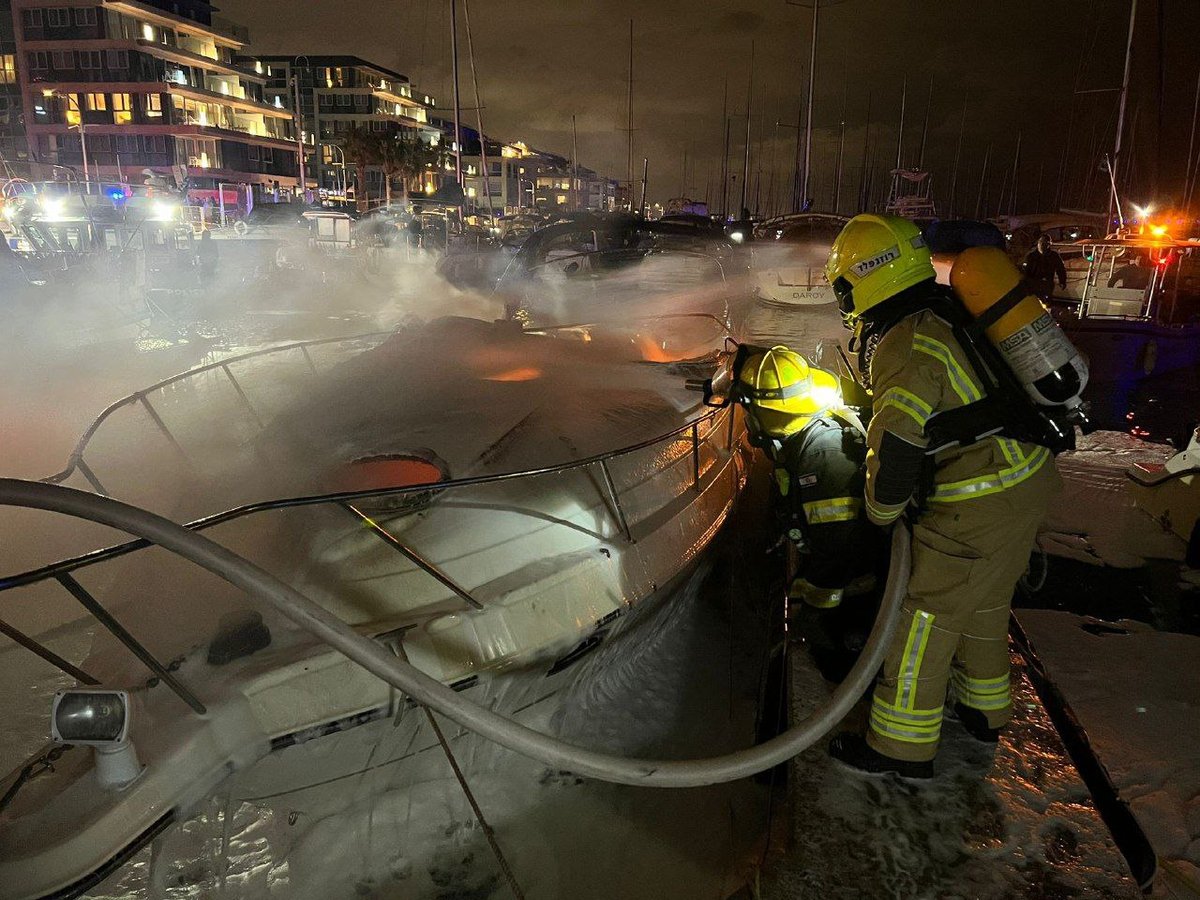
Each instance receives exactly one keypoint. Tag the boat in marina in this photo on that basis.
(610, 268)
(1138, 321)
(491, 502)
(789, 254)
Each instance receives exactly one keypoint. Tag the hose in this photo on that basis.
(378, 660)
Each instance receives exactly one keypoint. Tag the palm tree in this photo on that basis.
(406, 158)
(364, 148)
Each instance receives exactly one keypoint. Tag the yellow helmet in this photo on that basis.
(784, 392)
(873, 259)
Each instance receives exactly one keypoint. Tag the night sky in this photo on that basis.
(1015, 63)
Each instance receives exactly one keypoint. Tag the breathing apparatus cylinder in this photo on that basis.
(1036, 349)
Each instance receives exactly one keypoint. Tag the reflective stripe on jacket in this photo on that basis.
(917, 371)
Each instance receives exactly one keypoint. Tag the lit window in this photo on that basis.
(122, 105)
(562, 198)
(97, 102)
(148, 31)
(8, 69)
(154, 106)
(71, 113)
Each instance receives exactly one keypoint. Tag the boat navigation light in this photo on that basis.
(98, 719)
(1143, 211)
(1158, 230)
(162, 211)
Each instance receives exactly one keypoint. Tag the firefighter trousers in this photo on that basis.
(953, 633)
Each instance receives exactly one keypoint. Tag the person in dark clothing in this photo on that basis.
(1042, 265)
(207, 257)
(1134, 275)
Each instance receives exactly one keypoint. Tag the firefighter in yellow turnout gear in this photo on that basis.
(817, 444)
(974, 507)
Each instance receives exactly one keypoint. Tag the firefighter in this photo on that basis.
(817, 444)
(974, 506)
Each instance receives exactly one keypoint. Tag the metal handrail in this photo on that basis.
(73, 461)
(84, 560)
(61, 571)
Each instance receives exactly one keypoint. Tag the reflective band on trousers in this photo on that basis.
(913, 726)
(908, 403)
(914, 653)
(836, 509)
(981, 693)
(963, 384)
(883, 512)
(991, 484)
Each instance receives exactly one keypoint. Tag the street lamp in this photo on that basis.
(342, 164)
(70, 98)
(298, 116)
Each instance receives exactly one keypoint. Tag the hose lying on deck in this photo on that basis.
(378, 660)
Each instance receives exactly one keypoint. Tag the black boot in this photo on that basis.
(853, 750)
(976, 724)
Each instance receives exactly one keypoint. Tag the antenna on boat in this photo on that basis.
(841, 153)
(1115, 161)
(900, 130)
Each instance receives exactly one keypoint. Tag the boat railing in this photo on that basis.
(76, 462)
(63, 571)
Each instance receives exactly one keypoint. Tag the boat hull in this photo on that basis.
(61, 832)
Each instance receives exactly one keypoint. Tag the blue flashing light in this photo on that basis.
(117, 195)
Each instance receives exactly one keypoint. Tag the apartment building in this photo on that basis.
(340, 92)
(148, 84)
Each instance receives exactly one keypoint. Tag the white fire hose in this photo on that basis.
(376, 659)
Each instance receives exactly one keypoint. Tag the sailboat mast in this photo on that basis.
(979, 207)
(1116, 157)
(629, 107)
(483, 158)
(725, 148)
(863, 177)
(841, 154)
(900, 131)
(962, 127)
(574, 162)
(1015, 172)
(457, 104)
(746, 154)
(925, 126)
(812, 77)
(1189, 175)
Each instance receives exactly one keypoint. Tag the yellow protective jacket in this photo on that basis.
(918, 370)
